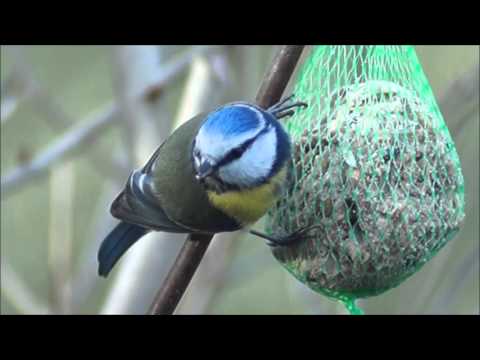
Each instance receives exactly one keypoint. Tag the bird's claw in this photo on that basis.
(288, 240)
(279, 109)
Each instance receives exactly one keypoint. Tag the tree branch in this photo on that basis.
(278, 76)
(66, 146)
(84, 134)
(209, 278)
(107, 164)
(196, 245)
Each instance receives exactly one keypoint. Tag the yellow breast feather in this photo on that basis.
(247, 206)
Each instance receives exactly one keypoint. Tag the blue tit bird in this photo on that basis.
(218, 172)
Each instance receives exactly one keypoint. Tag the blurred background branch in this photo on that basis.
(18, 293)
(54, 114)
(75, 140)
(133, 69)
(62, 187)
(91, 128)
(213, 89)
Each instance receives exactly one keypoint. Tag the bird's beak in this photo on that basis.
(204, 170)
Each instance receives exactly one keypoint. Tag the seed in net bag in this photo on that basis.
(375, 174)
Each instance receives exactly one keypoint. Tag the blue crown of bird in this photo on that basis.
(220, 171)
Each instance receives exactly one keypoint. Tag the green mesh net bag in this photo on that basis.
(374, 168)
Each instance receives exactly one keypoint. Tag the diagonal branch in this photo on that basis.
(84, 134)
(66, 146)
(196, 245)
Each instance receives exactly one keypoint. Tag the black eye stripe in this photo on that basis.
(237, 152)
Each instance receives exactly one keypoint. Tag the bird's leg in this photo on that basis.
(286, 240)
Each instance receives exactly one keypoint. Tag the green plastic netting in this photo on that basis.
(374, 166)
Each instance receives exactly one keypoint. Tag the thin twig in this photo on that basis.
(109, 164)
(63, 147)
(55, 115)
(195, 246)
(58, 119)
(83, 134)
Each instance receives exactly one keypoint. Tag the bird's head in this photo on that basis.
(239, 146)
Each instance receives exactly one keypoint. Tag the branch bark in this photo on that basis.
(209, 278)
(196, 245)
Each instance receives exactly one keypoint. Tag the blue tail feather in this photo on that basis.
(116, 244)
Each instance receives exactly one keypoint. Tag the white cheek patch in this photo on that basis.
(215, 147)
(255, 163)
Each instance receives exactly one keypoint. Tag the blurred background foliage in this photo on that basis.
(77, 119)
